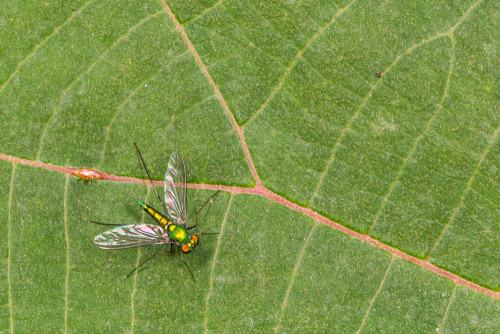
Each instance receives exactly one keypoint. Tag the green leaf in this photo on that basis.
(278, 101)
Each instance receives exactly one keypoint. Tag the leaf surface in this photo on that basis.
(406, 161)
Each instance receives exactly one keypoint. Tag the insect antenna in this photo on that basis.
(198, 233)
(149, 177)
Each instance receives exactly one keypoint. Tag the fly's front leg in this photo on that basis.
(182, 258)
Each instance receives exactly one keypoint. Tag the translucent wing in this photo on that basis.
(175, 189)
(135, 235)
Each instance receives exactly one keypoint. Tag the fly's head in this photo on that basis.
(190, 245)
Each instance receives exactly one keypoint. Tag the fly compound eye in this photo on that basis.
(185, 249)
(195, 239)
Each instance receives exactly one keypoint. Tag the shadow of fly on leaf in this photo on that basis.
(171, 226)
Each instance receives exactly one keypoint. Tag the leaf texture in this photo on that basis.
(280, 102)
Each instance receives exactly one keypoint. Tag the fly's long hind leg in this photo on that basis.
(182, 258)
(106, 224)
(149, 258)
(211, 198)
(149, 177)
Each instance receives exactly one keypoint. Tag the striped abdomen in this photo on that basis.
(160, 219)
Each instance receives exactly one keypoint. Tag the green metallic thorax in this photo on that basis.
(178, 233)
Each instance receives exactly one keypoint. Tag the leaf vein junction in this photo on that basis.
(203, 12)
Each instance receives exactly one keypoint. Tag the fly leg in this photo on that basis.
(106, 224)
(149, 177)
(210, 199)
(182, 258)
(149, 258)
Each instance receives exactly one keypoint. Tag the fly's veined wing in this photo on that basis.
(134, 235)
(175, 189)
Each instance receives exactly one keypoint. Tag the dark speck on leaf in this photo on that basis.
(378, 74)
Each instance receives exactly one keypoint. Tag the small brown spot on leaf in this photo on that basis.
(87, 174)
